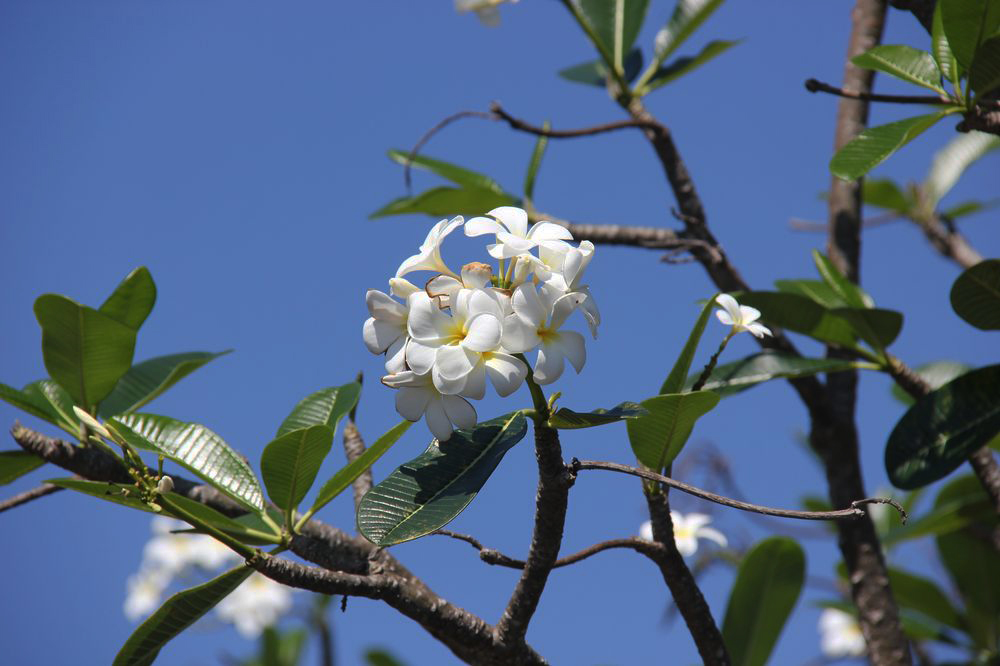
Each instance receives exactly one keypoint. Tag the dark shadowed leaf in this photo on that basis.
(984, 77)
(567, 419)
(15, 464)
(937, 374)
(802, 315)
(876, 326)
(924, 596)
(884, 193)
(766, 589)
(453, 172)
(195, 447)
(132, 300)
(675, 380)
(85, 351)
(874, 145)
(687, 64)
(941, 50)
(975, 295)
(290, 463)
(903, 62)
(594, 72)
(965, 503)
(177, 614)
(940, 431)
(658, 437)
(815, 290)
(731, 378)
(324, 407)
(966, 24)
(381, 657)
(429, 491)
(146, 381)
(440, 201)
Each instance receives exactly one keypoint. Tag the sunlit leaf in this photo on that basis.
(941, 50)
(29, 402)
(617, 24)
(567, 419)
(975, 295)
(659, 436)
(456, 174)
(324, 407)
(132, 300)
(875, 144)
(146, 381)
(903, 62)
(442, 201)
(290, 463)
(802, 315)
(851, 293)
(815, 290)
(984, 76)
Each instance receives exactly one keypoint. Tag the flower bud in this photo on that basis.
(91, 422)
(476, 275)
(165, 485)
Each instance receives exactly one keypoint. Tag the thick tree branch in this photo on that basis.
(28, 496)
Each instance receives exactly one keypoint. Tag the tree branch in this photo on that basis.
(812, 85)
(524, 126)
(354, 446)
(28, 496)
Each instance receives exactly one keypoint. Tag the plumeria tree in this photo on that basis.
(236, 541)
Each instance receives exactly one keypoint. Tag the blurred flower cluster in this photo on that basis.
(258, 603)
(443, 341)
(687, 530)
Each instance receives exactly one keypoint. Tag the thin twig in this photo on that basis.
(853, 512)
(495, 557)
(798, 224)
(523, 126)
(434, 130)
(812, 85)
(28, 496)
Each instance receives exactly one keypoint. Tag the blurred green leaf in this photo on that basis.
(942, 429)
(924, 596)
(963, 503)
(658, 437)
(426, 493)
(30, 402)
(290, 463)
(815, 290)
(875, 144)
(177, 614)
(984, 76)
(195, 447)
(851, 293)
(132, 300)
(567, 419)
(876, 326)
(732, 378)
(685, 65)
(687, 16)
(594, 72)
(951, 162)
(324, 407)
(15, 464)
(975, 295)
(447, 201)
(884, 193)
(903, 62)
(381, 657)
(966, 23)
(936, 373)
(617, 24)
(968, 208)
(85, 351)
(766, 589)
(941, 50)
(456, 174)
(802, 315)
(675, 380)
(146, 381)
(59, 402)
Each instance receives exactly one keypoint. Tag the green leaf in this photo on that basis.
(850, 293)
(936, 373)
(146, 381)
(617, 24)
(960, 503)
(535, 163)
(381, 657)
(940, 431)
(447, 201)
(426, 493)
(59, 403)
(290, 463)
(31, 402)
(594, 72)
(346, 475)
(687, 16)
(951, 162)
(105, 490)
(903, 62)
(675, 380)
(567, 419)
(966, 23)
(195, 447)
(85, 351)
(815, 290)
(874, 145)
(132, 300)
(884, 193)
(802, 315)
(324, 407)
(732, 378)
(941, 50)
(924, 596)
(282, 648)
(177, 614)
(975, 295)
(15, 464)
(766, 589)
(968, 208)
(658, 437)
(687, 64)
(984, 77)
(876, 326)
(453, 172)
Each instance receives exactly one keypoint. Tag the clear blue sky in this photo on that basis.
(236, 148)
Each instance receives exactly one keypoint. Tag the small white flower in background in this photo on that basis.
(255, 605)
(145, 589)
(840, 635)
(740, 317)
(429, 256)
(176, 553)
(687, 530)
(486, 10)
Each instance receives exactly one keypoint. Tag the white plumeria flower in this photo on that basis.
(449, 347)
(510, 225)
(255, 605)
(486, 10)
(536, 323)
(687, 530)
(173, 554)
(475, 275)
(840, 635)
(145, 589)
(567, 279)
(740, 317)
(418, 397)
(429, 257)
(385, 331)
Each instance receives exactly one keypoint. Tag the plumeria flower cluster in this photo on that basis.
(443, 341)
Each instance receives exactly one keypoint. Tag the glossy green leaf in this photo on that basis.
(675, 380)
(426, 493)
(441, 201)
(290, 463)
(924, 596)
(535, 163)
(815, 290)
(687, 16)
(658, 437)
(936, 374)
(132, 300)
(59, 402)
(146, 381)
(617, 24)
(851, 293)
(594, 72)
(876, 326)
(766, 589)
(567, 419)
(941, 50)
(874, 145)
(732, 378)
(903, 62)
(85, 351)
(802, 315)
(15, 464)
(685, 65)
(346, 475)
(884, 193)
(177, 614)
(966, 23)
(984, 76)
(195, 447)
(32, 403)
(975, 295)
(324, 407)
(453, 172)
(951, 162)
(940, 431)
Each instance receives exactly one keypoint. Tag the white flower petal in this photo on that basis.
(748, 314)
(571, 344)
(395, 356)
(443, 286)
(713, 534)
(427, 323)
(549, 366)
(483, 333)
(686, 545)
(506, 372)
(454, 361)
(544, 230)
(412, 402)
(731, 307)
(420, 357)
(519, 336)
(563, 308)
(480, 226)
(515, 219)
(509, 246)
(459, 411)
(437, 420)
(528, 306)
(758, 329)
(724, 317)
(475, 383)
(378, 335)
(384, 308)
(646, 531)
(402, 288)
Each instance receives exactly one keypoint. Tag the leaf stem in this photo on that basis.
(237, 546)
(697, 386)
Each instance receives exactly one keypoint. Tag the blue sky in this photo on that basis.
(236, 149)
